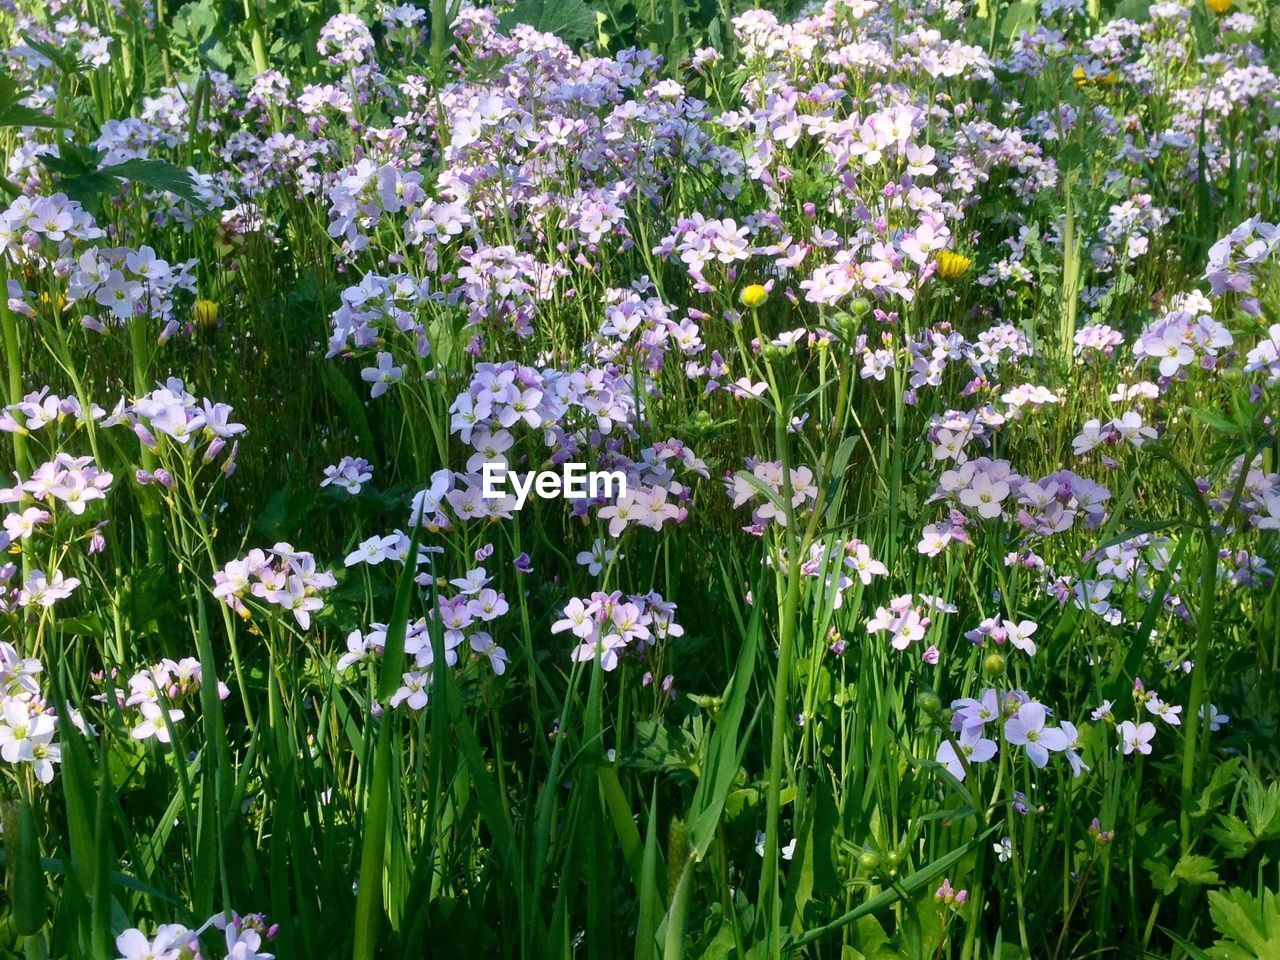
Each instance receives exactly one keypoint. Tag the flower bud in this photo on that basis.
(993, 665)
(754, 296)
(205, 314)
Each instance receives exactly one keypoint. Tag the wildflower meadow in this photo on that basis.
(598, 479)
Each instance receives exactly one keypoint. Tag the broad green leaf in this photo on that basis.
(570, 20)
(14, 114)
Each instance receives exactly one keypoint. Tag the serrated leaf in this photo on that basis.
(159, 174)
(1234, 835)
(80, 177)
(1196, 868)
(14, 114)
(1224, 777)
(1250, 927)
(1161, 877)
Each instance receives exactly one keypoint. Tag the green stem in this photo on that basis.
(1204, 635)
(254, 16)
(146, 501)
(769, 890)
(13, 364)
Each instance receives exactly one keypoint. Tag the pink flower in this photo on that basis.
(1027, 729)
(1136, 736)
(973, 747)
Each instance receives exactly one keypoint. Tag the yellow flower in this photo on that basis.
(1101, 80)
(754, 296)
(951, 265)
(61, 303)
(205, 314)
(1218, 6)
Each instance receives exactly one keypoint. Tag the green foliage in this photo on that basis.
(1249, 925)
(14, 114)
(82, 177)
(571, 20)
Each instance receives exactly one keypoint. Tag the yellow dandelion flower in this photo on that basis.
(952, 265)
(754, 296)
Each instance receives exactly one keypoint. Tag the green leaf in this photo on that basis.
(1250, 926)
(724, 755)
(14, 114)
(82, 179)
(571, 20)
(1196, 869)
(1018, 18)
(1224, 778)
(1262, 807)
(26, 879)
(159, 174)
(1234, 835)
(650, 893)
(373, 846)
(1216, 421)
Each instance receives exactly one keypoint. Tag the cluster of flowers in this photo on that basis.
(1126, 236)
(349, 474)
(157, 694)
(281, 577)
(63, 483)
(765, 479)
(589, 411)
(639, 329)
(29, 223)
(37, 590)
(986, 489)
(1265, 356)
(459, 620)
(194, 426)
(999, 631)
(1184, 334)
(105, 286)
(129, 283)
(1258, 502)
(1024, 723)
(608, 626)
(61, 487)
(1234, 259)
(377, 315)
(243, 936)
(570, 408)
(838, 563)
(907, 620)
(41, 409)
(1137, 735)
(28, 725)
